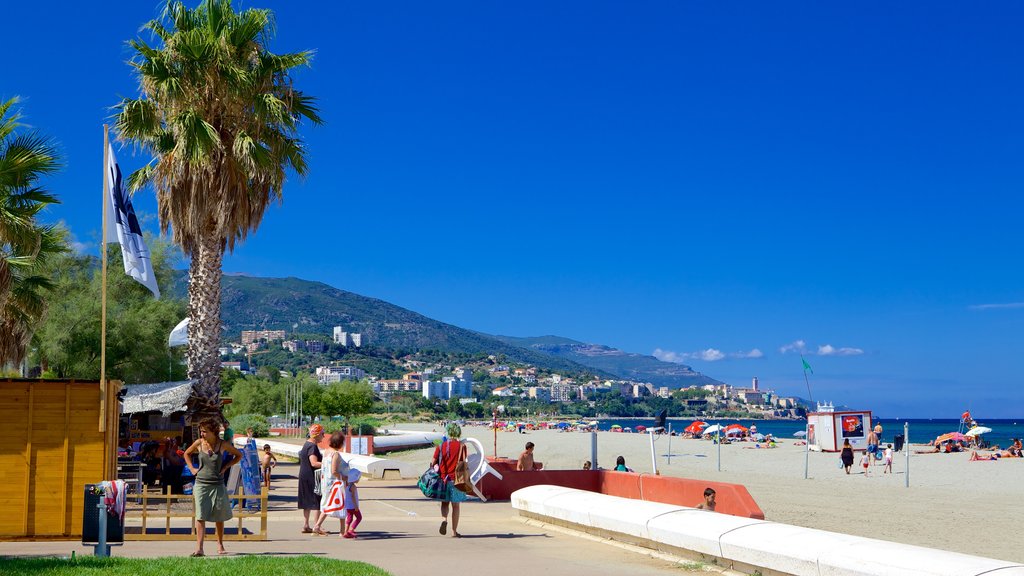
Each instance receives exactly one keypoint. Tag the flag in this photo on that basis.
(123, 227)
(807, 367)
(179, 336)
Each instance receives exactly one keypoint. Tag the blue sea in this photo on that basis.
(921, 430)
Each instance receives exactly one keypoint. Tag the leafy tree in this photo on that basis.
(25, 245)
(68, 342)
(348, 398)
(220, 116)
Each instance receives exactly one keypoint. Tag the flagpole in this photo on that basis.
(103, 285)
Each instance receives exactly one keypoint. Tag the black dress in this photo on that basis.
(308, 499)
(847, 457)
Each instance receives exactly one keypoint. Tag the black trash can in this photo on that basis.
(90, 521)
(897, 442)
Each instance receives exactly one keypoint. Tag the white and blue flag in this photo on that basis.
(123, 227)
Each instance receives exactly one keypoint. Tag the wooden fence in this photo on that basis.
(156, 521)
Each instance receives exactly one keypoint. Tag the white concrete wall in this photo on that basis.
(370, 466)
(746, 543)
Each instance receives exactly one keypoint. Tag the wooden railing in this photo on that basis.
(164, 512)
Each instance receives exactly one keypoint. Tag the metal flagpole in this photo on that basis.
(103, 286)
(668, 457)
(807, 446)
(906, 448)
(718, 440)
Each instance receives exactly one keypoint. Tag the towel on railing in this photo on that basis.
(113, 498)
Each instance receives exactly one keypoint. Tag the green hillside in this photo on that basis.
(302, 306)
(625, 365)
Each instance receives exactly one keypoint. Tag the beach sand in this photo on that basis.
(951, 504)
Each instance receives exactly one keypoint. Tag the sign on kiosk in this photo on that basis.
(827, 429)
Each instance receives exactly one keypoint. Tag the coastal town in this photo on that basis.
(492, 381)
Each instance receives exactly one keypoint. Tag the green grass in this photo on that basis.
(247, 565)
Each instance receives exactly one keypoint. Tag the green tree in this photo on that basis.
(25, 245)
(68, 341)
(347, 398)
(220, 115)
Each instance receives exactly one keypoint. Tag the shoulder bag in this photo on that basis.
(430, 483)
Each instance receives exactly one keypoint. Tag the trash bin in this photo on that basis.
(897, 442)
(90, 520)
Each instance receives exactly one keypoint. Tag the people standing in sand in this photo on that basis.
(709, 500)
(526, 461)
(310, 460)
(333, 476)
(352, 514)
(878, 432)
(267, 463)
(888, 459)
(865, 461)
(872, 444)
(208, 492)
(446, 457)
(847, 455)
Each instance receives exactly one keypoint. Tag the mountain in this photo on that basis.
(625, 365)
(293, 304)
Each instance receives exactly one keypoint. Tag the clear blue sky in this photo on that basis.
(709, 181)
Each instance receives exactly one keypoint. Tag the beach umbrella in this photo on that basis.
(758, 436)
(954, 436)
(734, 431)
(563, 425)
(978, 431)
(800, 433)
(712, 429)
(695, 428)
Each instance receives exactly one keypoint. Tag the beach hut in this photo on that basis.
(59, 435)
(827, 429)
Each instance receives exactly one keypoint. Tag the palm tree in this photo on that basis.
(220, 117)
(24, 244)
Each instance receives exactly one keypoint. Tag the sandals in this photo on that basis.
(444, 528)
(307, 531)
(319, 532)
(197, 555)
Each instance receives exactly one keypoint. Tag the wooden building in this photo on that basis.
(58, 436)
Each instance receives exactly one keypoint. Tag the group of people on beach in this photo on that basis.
(336, 493)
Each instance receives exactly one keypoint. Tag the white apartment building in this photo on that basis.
(450, 387)
(347, 338)
(564, 393)
(329, 374)
(539, 393)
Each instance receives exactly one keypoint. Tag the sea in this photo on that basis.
(921, 430)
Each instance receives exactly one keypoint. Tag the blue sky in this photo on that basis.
(713, 182)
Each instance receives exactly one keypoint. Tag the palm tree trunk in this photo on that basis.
(204, 278)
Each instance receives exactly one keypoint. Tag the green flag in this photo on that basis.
(807, 366)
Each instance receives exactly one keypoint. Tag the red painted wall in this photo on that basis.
(731, 498)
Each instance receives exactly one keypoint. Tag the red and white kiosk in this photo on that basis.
(827, 429)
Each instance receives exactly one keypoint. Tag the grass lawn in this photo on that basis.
(209, 566)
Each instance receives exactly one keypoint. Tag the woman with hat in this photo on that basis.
(309, 461)
(447, 456)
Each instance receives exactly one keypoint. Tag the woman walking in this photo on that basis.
(309, 461)
(208, 491)
(847, 455)
(447, 456)
(332, 485)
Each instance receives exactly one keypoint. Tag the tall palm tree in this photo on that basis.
(220, 116)
(25, 157)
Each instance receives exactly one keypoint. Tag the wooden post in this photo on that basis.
(145, 506)
(241, 509)
(264, 500)
(167, 529)
(103, 289)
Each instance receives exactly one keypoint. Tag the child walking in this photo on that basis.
(865, 461)
(352, 514)
(888, 459)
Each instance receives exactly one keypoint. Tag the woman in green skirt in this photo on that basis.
(211, 498)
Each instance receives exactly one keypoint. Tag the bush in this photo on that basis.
(364, 426)
(258, 423)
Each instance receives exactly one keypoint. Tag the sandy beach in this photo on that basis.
(951, 504)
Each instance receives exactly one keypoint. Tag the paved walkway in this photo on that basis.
(399, 533)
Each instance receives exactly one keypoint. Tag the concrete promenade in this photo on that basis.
(399, 533)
